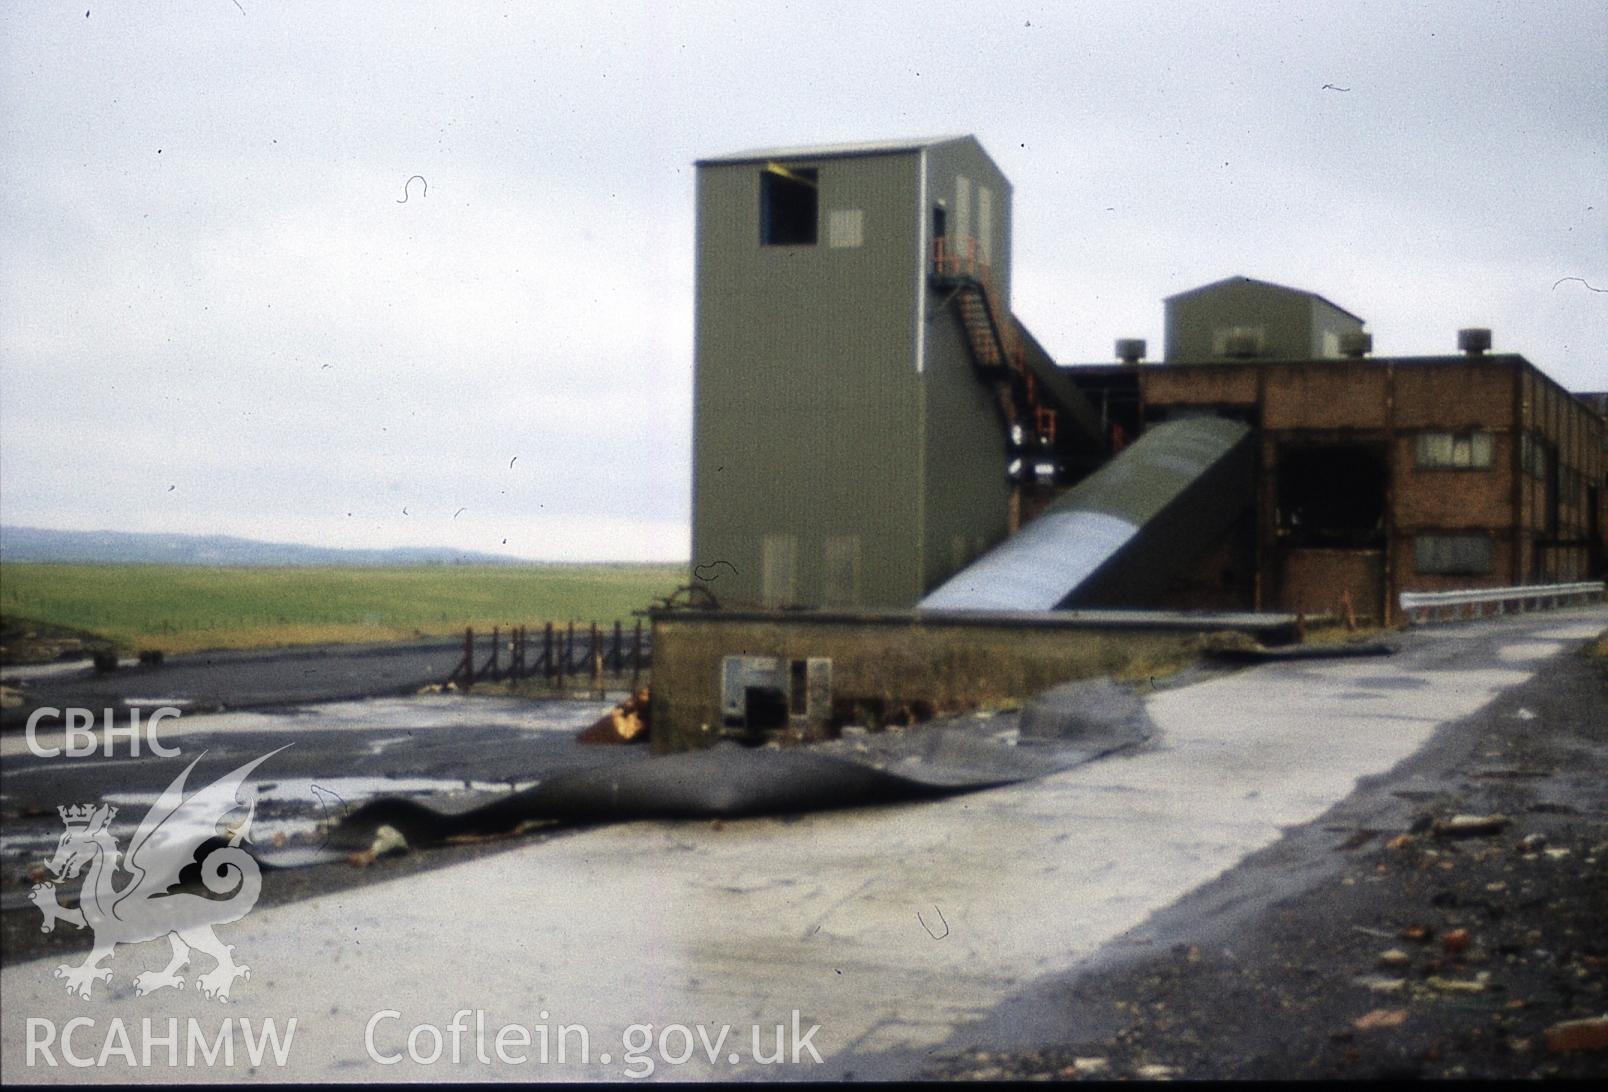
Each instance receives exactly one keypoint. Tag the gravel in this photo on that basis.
(1421, 947)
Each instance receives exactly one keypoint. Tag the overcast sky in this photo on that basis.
(218, 314)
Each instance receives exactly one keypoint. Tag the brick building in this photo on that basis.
(1374, 476)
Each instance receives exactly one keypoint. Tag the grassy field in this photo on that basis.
(185, 609)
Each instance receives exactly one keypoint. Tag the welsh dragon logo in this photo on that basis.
(165, 844)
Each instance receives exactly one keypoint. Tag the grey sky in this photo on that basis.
(216, 313)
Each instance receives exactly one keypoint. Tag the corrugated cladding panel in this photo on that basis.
(967, 493)
(1121, 532)
(806, 399)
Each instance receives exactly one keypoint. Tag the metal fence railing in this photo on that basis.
(561, 655)
(1420, 607)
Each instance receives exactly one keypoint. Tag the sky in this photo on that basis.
(228, 306)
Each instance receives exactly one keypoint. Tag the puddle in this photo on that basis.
(351, 790)
(317, 800)
(410, 714)
(66, 668)
(445, 712)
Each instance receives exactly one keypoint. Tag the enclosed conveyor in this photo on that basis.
(1119, 536)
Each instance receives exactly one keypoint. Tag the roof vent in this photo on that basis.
(1130, 350)
(1356, 344)
(1474, 341)
(1241, 345)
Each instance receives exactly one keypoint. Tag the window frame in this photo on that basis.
(1451, 566)
(1468, 442)
(780, 183)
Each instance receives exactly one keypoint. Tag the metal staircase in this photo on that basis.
(997, 350)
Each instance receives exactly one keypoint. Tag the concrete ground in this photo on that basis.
(887, 928)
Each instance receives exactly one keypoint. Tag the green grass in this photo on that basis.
(183, 608)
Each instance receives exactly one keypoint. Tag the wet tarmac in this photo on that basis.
(453, 751)
(236, 680)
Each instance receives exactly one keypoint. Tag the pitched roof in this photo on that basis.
(1265, 284)
(830, 151)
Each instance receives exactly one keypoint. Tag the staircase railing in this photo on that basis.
(958, 260)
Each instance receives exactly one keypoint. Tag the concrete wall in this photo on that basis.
(950, 662)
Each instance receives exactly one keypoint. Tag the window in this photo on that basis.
(788, 206)
(985, 223)
(1534, 456)
(1239, 342)
(1460, 554)
(1455, 451)
(1569, 480)
(845, 228)
(1331, 495)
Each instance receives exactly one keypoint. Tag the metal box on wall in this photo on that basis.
(760, 695)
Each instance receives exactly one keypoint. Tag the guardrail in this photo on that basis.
(1422, 607)
(560, 656)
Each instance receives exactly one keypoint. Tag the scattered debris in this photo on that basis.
(387, 841)
(1456, 985)
(1471, 826)
(1378, 983)
(1577, 1035)
(1400, 841)
(1358, 839)
(1380, 1018)
(1394, 957)
(628, 722)
(1156, 1072)
(1456, 940)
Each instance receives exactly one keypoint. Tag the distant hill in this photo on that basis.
(124, 547)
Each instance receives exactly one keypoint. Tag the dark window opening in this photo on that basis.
(1554, 494)
(1331, 496)
(1594, 551)
(764, 709)
(789, 206)
(940, 222)
(798, 684)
